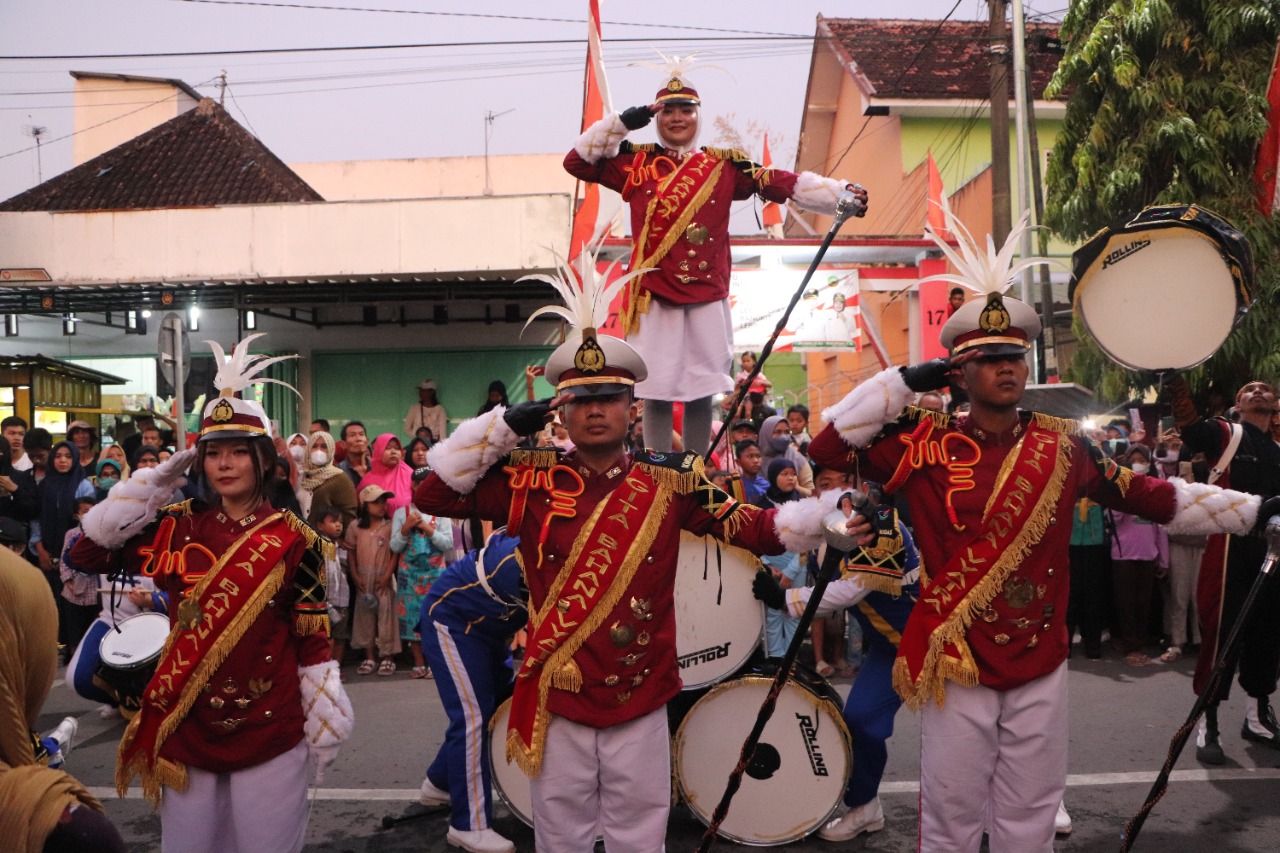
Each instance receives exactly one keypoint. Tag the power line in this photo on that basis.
(464, 15)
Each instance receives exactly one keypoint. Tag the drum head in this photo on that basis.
(718, 621)
(1163, 291)
(509, 781)
(797, 777)
(138, 642)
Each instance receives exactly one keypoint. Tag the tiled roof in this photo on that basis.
(929, 59)
(198, 159)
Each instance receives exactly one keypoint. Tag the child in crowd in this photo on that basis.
(759, 386)
(747, 453)
(372, 564)
(337, 589)
(421, 544)
(787, 568)
(79, 589)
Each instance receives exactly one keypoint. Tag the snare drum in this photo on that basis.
(128, 656)
(1178, 255)
(509, 781)
(718, 620)
(797, 778)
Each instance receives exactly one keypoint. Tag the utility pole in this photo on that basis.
(489, 117)
(222, 87)
(1001, 215)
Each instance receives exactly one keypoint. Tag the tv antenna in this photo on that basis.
(36, 131)
(489, 118)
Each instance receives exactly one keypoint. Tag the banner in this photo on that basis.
(827, 317)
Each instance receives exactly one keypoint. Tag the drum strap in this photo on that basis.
(1233, 444)
(934, 649)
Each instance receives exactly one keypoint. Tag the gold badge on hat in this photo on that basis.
(675, 85)
(589, 358)
(222, 412)
(994, 316)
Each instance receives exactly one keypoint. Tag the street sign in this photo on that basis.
(175, 350)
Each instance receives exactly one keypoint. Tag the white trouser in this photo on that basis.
(617, 779)
(258, 809)
(994, 758)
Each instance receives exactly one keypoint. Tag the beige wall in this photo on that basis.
(436, 177)
(109, 112)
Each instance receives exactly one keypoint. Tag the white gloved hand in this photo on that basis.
(324, 756)
(133, 503)
(799, 523)
(327, 710)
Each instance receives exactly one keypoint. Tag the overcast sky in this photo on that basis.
(423, 101)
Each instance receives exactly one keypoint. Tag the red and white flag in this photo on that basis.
(771, 214)
(1264, 171)
(590, 218)
(936, 196)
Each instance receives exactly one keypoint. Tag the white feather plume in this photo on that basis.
(587, 293)
(982, 271)
(243, 369)
(676, 66)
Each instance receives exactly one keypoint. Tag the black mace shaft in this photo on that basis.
(1183, 734)
(848, 205)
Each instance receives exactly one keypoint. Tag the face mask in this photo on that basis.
(319, 457)
(296, 452)
(779, 443)
(107, 482)
(1140, 467)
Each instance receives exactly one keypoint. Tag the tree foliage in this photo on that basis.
(1167, 105)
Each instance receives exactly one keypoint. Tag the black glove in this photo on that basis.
(765, 588)
(527, 418)
(929, 376)
(635, 118)
(1269, 507)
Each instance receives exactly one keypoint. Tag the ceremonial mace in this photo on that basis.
(1181, 736)
(839, 543)
(847, 205)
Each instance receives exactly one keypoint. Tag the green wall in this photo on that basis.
(378, 387)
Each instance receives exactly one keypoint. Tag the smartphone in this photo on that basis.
(1166, 423)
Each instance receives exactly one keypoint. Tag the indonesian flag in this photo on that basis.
(1264, 173)
(590, 220)
(771, 215)
(936, 195)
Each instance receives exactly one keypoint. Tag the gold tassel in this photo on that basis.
(307, 624)
(540, 458)
(181, 508)
(680, 482)
(1066, 426)
(889, 585)
(567, 677)
(941, 420)
(1124, 479)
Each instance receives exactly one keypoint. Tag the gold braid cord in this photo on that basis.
(940, 667)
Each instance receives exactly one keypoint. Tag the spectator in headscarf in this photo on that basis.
(497, 397)
(776, 442)
(114, 453)
(388, 470)
(63, 484)
(44, 811)
(786, 568)
(321, 477)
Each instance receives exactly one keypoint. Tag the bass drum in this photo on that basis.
(796, 780)
(509, 781)
(127, 658)
(719, 623)
(1180, 256)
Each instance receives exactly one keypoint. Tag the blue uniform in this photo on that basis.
(879, 585)
(468, 617)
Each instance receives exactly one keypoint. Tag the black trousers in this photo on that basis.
(1257, 655)
(1090, 593)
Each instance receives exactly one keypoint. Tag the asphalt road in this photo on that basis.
(1121, 722)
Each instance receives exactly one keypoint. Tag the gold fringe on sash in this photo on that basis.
(939, 667)
(327, 549)
(567, 677)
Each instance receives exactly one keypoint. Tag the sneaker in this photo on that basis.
(62, 736)
(1260, 724)
(868, 817)
(108, 712)
(430, 795)
(1062, 821)
(1208, 750)
(479, 841)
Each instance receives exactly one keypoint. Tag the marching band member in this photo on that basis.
(245, 690)
(984, 651)
(468, 619)
(599, 530)
(677, 315)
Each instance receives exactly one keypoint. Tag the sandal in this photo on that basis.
(366, 668)
(1171, 654)
(1137, 659)
(846, 670)
(387, 667)
(418, 672)
(824, 669)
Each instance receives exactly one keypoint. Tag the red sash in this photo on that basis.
(679, 198)
(933, 648)
(221, 607)
(608, 551)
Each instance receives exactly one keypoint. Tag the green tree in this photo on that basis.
(1167, 105)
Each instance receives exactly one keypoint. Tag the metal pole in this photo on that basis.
(1001, 216)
